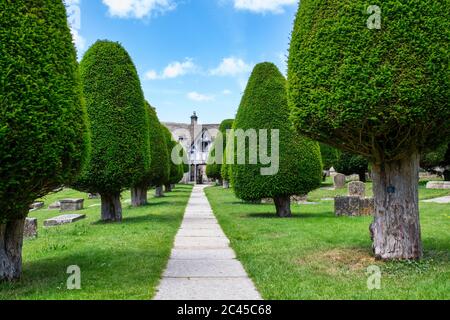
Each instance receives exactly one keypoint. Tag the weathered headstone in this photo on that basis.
(353, 177)
(299, 199)
(30, 228)
(438, 185)
(37, 205)
(71, 204)
(92, 196)
(54, 206)
(367, 207)
(267, 201)
(347, 206)
(226, 184)
(357, 188)
(339, 181)
(63, 219)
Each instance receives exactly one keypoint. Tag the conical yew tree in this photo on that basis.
(159, 169)
(374, 81)
(43, 129)
(119, 125)
(214, 168)
(264, 107)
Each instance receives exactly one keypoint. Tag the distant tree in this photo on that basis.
(264, 106)
(159, 169)
(44, 138)
(330, 156)
(214, 169)
(352, 164)
(120, 134)
(381, 92)
(176, 170)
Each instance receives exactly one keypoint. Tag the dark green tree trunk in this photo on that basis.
(111, 207)
(139, 196)
(396, 228)
(159, 192)
(11, 241)
(168, 188)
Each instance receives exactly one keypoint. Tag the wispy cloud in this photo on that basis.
(138, 8)
(198, 97)
(173, 70)
(262, 6)
(231, 67)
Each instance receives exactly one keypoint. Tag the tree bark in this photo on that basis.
(159, 192)
(168, 188)
(362, 176)
(111, 207)
(139, 196)
(283, 205)
(11, 241)
(396, 228)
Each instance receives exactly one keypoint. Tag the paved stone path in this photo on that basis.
(202, 265)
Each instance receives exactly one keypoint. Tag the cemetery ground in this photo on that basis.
(316, 255)
(117, 261)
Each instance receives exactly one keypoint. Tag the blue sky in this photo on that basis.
(191, 55)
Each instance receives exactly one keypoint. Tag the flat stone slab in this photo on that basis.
(439, 200)
(205, 269)
(207, 289)
(203, 254)
(438, 185)
(63, 219)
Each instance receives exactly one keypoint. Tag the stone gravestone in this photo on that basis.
(64, 219)
(36, 205)
(339, 181)
(30, 228)
(92, 196)
(54, 206)
(71, 204)
(357, 188)
(347, 206)
(299, 199)
(438, 185)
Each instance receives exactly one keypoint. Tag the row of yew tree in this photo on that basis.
(381, 97)
(83, 125)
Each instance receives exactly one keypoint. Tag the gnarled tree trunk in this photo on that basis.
(168, 188)
(11, 241)
(396, 228)
(159, 192)
(111, 207)
(139, 196)
(283, 205)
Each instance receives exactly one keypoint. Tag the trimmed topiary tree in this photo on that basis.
(264, 106)
(43, 131)
(174, 172)
(380, 93)
(120, 135)
(214, 169)
(159, 169)
(349, 163)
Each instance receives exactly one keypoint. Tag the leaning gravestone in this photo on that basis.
(438, 185)
(30, 228)
(339, 181)
(71, 204)
(357, 188)
(64, 219)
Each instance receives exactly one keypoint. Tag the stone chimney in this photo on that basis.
(194, 124)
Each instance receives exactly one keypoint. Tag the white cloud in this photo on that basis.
(231, 67)
(198, 97)
(78, 40)
(173, 70)
(137, 8)
(226, 92)
(261, 6)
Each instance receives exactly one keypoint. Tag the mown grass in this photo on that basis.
(315, 255)
(117, 261)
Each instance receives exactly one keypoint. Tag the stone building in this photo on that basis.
(197, 140)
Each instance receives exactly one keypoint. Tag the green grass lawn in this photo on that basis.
(315, 255)
(117, 261)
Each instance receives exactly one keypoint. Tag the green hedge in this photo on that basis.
(264, 106)
(43, 131)
(116, 107)
(380, 93)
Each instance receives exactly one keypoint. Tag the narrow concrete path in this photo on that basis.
(202, 265)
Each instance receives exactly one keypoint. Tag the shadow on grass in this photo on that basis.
(273, 215)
